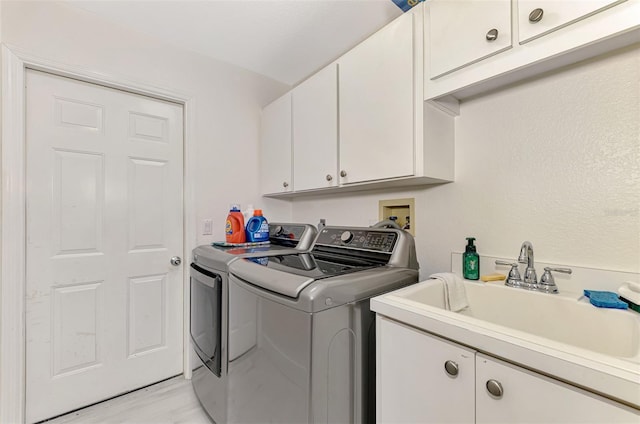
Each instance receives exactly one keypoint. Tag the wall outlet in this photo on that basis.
(207, 227)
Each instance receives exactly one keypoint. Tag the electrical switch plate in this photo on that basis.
(207, 227)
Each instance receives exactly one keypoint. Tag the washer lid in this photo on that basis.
(251, 272)
(290, 274)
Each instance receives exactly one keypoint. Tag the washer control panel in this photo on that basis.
(363, 239)
(292, 234)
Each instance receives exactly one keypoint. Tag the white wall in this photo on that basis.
(554, 160)
(227, 99)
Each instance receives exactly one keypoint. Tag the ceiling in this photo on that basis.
(286, 40)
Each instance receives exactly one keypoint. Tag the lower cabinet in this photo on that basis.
(422, 378)
(412, 384)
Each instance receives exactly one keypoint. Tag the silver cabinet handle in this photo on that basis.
(176, 260)
(492, 35)
(536, 15)
(495, 388)
(285, 184)
(343, 173)
(329, 177)
(451, 368)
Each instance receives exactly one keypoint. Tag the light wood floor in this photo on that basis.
(169, 402)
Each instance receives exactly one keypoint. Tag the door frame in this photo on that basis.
(13, 210)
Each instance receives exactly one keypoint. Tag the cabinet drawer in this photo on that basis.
(539, 17)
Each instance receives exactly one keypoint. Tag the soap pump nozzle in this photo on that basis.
(470, 246)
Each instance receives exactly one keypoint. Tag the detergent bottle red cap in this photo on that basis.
(234, 228)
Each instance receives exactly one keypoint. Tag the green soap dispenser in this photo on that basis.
(471, 261)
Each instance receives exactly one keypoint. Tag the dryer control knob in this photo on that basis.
(346, 236)
(278, 230)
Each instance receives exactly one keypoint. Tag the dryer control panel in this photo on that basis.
(357, 238)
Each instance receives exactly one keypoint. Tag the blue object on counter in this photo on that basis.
(406, 5)
(257, 227)
(605, 299)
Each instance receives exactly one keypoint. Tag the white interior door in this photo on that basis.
(104, 218)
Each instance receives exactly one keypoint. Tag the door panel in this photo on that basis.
(556, 15)
(458, 32)
(315, 131)
(104, 217)
(78, 202)
(376, 105)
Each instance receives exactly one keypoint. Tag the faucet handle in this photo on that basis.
(562, 270)
(547, 282)
(514, 278)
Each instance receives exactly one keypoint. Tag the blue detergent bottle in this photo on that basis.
(257, 227)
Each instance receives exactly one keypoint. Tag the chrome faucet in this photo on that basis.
(526, 257)
(547, 283)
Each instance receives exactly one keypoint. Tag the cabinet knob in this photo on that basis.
(536, 15)
(495, 388)
(451, 368)
(329, 177)
(285, 184)
(492, 35)
(343, 173)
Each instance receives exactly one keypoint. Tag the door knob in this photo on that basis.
(176, 260)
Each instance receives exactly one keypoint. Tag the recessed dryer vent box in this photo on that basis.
(404, 209)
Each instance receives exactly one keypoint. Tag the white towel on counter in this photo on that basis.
(455, 296)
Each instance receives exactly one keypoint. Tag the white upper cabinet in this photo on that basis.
(275, 149)
(376, 83)
(464, 56)
(315, 131)
(539, 17)
(465, 31)
(361, 122)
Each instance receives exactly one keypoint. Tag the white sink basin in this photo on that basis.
(561, 335)
(556, 317)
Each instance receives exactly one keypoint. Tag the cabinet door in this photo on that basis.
(412, 384)
(377, 105)
(531, 397)
(555, 15)
(275, 147)
(462, 32)
(315, 131)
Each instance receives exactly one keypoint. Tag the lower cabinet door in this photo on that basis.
(422, 378)
(506, 393)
